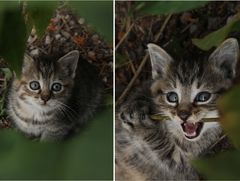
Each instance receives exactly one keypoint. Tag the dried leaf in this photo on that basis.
(79, 40)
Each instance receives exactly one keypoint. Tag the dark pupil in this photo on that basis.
(172, 97)
(34, 85)
(56, 87)
(203, 97)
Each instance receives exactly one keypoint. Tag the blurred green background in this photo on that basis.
(89, 154)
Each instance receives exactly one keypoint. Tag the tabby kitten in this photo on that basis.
(185, 92)
(53, 96)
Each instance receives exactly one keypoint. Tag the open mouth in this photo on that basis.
(192, 130)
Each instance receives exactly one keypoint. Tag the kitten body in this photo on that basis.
(185, 92)
(54, 95)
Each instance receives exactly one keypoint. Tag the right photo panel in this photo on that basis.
(177, 90)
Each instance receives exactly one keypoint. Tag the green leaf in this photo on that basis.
(6, 6)
(40, 14)
(216, 38)
(224, 166)
(7, 73)
(121, 60)
(88, 155)
(108, 100)
(7, 76)
(12, 35)
(166, 7)
(99, 14)
(230, 116)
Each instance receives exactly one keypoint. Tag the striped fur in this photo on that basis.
(61, 112)
(155, 150)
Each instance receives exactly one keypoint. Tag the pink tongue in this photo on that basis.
(190, 128)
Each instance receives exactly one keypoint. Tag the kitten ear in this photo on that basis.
(69, 62)
(225, 57)
(160, 60)
(27, 62)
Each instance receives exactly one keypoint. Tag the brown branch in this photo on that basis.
(163, 27)
(131, 63)
(124, 37)
(143, 62)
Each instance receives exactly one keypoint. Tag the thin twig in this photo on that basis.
(218, 141)
(143, 62)
(187, 27)
(102, 69)
(163, 27)
(124, 37)
(129, 86)
(130, 62)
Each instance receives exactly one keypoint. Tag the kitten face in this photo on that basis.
(186, 91)
(46, 84)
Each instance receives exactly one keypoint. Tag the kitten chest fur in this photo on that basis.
(151, 153)
(31, 120)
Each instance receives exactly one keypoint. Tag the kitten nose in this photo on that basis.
(45, 97)
(184, 115)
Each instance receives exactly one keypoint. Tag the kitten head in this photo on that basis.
(47, 83)
(186, 91)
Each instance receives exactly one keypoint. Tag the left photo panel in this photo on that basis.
(56, 90)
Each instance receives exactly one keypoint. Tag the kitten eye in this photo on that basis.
(172, 97)
(202, 97)
(34, 85)
(56, 87)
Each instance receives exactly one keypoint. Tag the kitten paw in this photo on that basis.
(135, 115)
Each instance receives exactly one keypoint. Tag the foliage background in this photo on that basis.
(87, 155)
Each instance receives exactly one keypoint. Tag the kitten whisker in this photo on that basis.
(66, 112)
(93, 105)
(68, 108)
